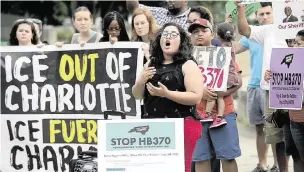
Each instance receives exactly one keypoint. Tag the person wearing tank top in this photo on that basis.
(83, 21)
(171, 84)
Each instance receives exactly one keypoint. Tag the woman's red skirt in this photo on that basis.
(192, 132)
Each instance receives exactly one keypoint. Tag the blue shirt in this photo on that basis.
(256, 61)
(216, 42)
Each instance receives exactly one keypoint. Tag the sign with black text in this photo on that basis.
(45, 142)
(288, 18)
(70, 80)
(52, 99)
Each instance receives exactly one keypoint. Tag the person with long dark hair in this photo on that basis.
(23, 33)
(114, 28)
(171, 84)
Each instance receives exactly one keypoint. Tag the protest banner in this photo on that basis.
(71, 79)
(141, 145)
(214, 64)
(250, 7)
(286, 84)
(288, 18)
(45, 143)
(52, 98)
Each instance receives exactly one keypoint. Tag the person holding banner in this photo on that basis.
(294, 131)
(264, 35)
(197, 13)
(255, 94)
(23, 33)
(171, 84)
(82, 21)
(114, 28)
(221, 143)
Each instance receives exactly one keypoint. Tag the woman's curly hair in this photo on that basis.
(185, 48)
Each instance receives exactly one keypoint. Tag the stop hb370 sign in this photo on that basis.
(214, 64)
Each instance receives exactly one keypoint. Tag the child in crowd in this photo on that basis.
(225, 33)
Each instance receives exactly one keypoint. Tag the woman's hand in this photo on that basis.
(146, 74)
(228, 19)
(267, 76)
(82, 43)
(59, 44)
(146, 49)
(113, 39)
(209, 95)
(40, 45)
(161, 91)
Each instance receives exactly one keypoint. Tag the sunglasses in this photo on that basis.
(31, 20)
(37, 21)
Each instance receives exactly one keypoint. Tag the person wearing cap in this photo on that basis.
(223, 142)
(200, 12)
(197, 13)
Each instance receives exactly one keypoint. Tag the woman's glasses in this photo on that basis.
(170, 35)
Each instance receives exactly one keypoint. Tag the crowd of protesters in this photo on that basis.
(171, 84)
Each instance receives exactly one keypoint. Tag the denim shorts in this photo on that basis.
(255, 105)
(221, 143)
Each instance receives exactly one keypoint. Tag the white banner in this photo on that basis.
(141, 145)
(214, 64)
(45, 143)
(288, 18)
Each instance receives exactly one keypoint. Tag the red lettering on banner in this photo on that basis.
(215, 75)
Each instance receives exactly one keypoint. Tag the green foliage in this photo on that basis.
(65, 35)
(61, 11)
(217, 8)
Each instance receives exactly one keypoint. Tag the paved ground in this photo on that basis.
(248, 160)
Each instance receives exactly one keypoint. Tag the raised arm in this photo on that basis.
(239, 48)
(132, 5)
(243, 25)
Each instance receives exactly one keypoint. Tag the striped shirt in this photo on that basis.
(296, 115)
(163, 16)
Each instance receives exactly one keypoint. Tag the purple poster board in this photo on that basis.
(286, 84)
